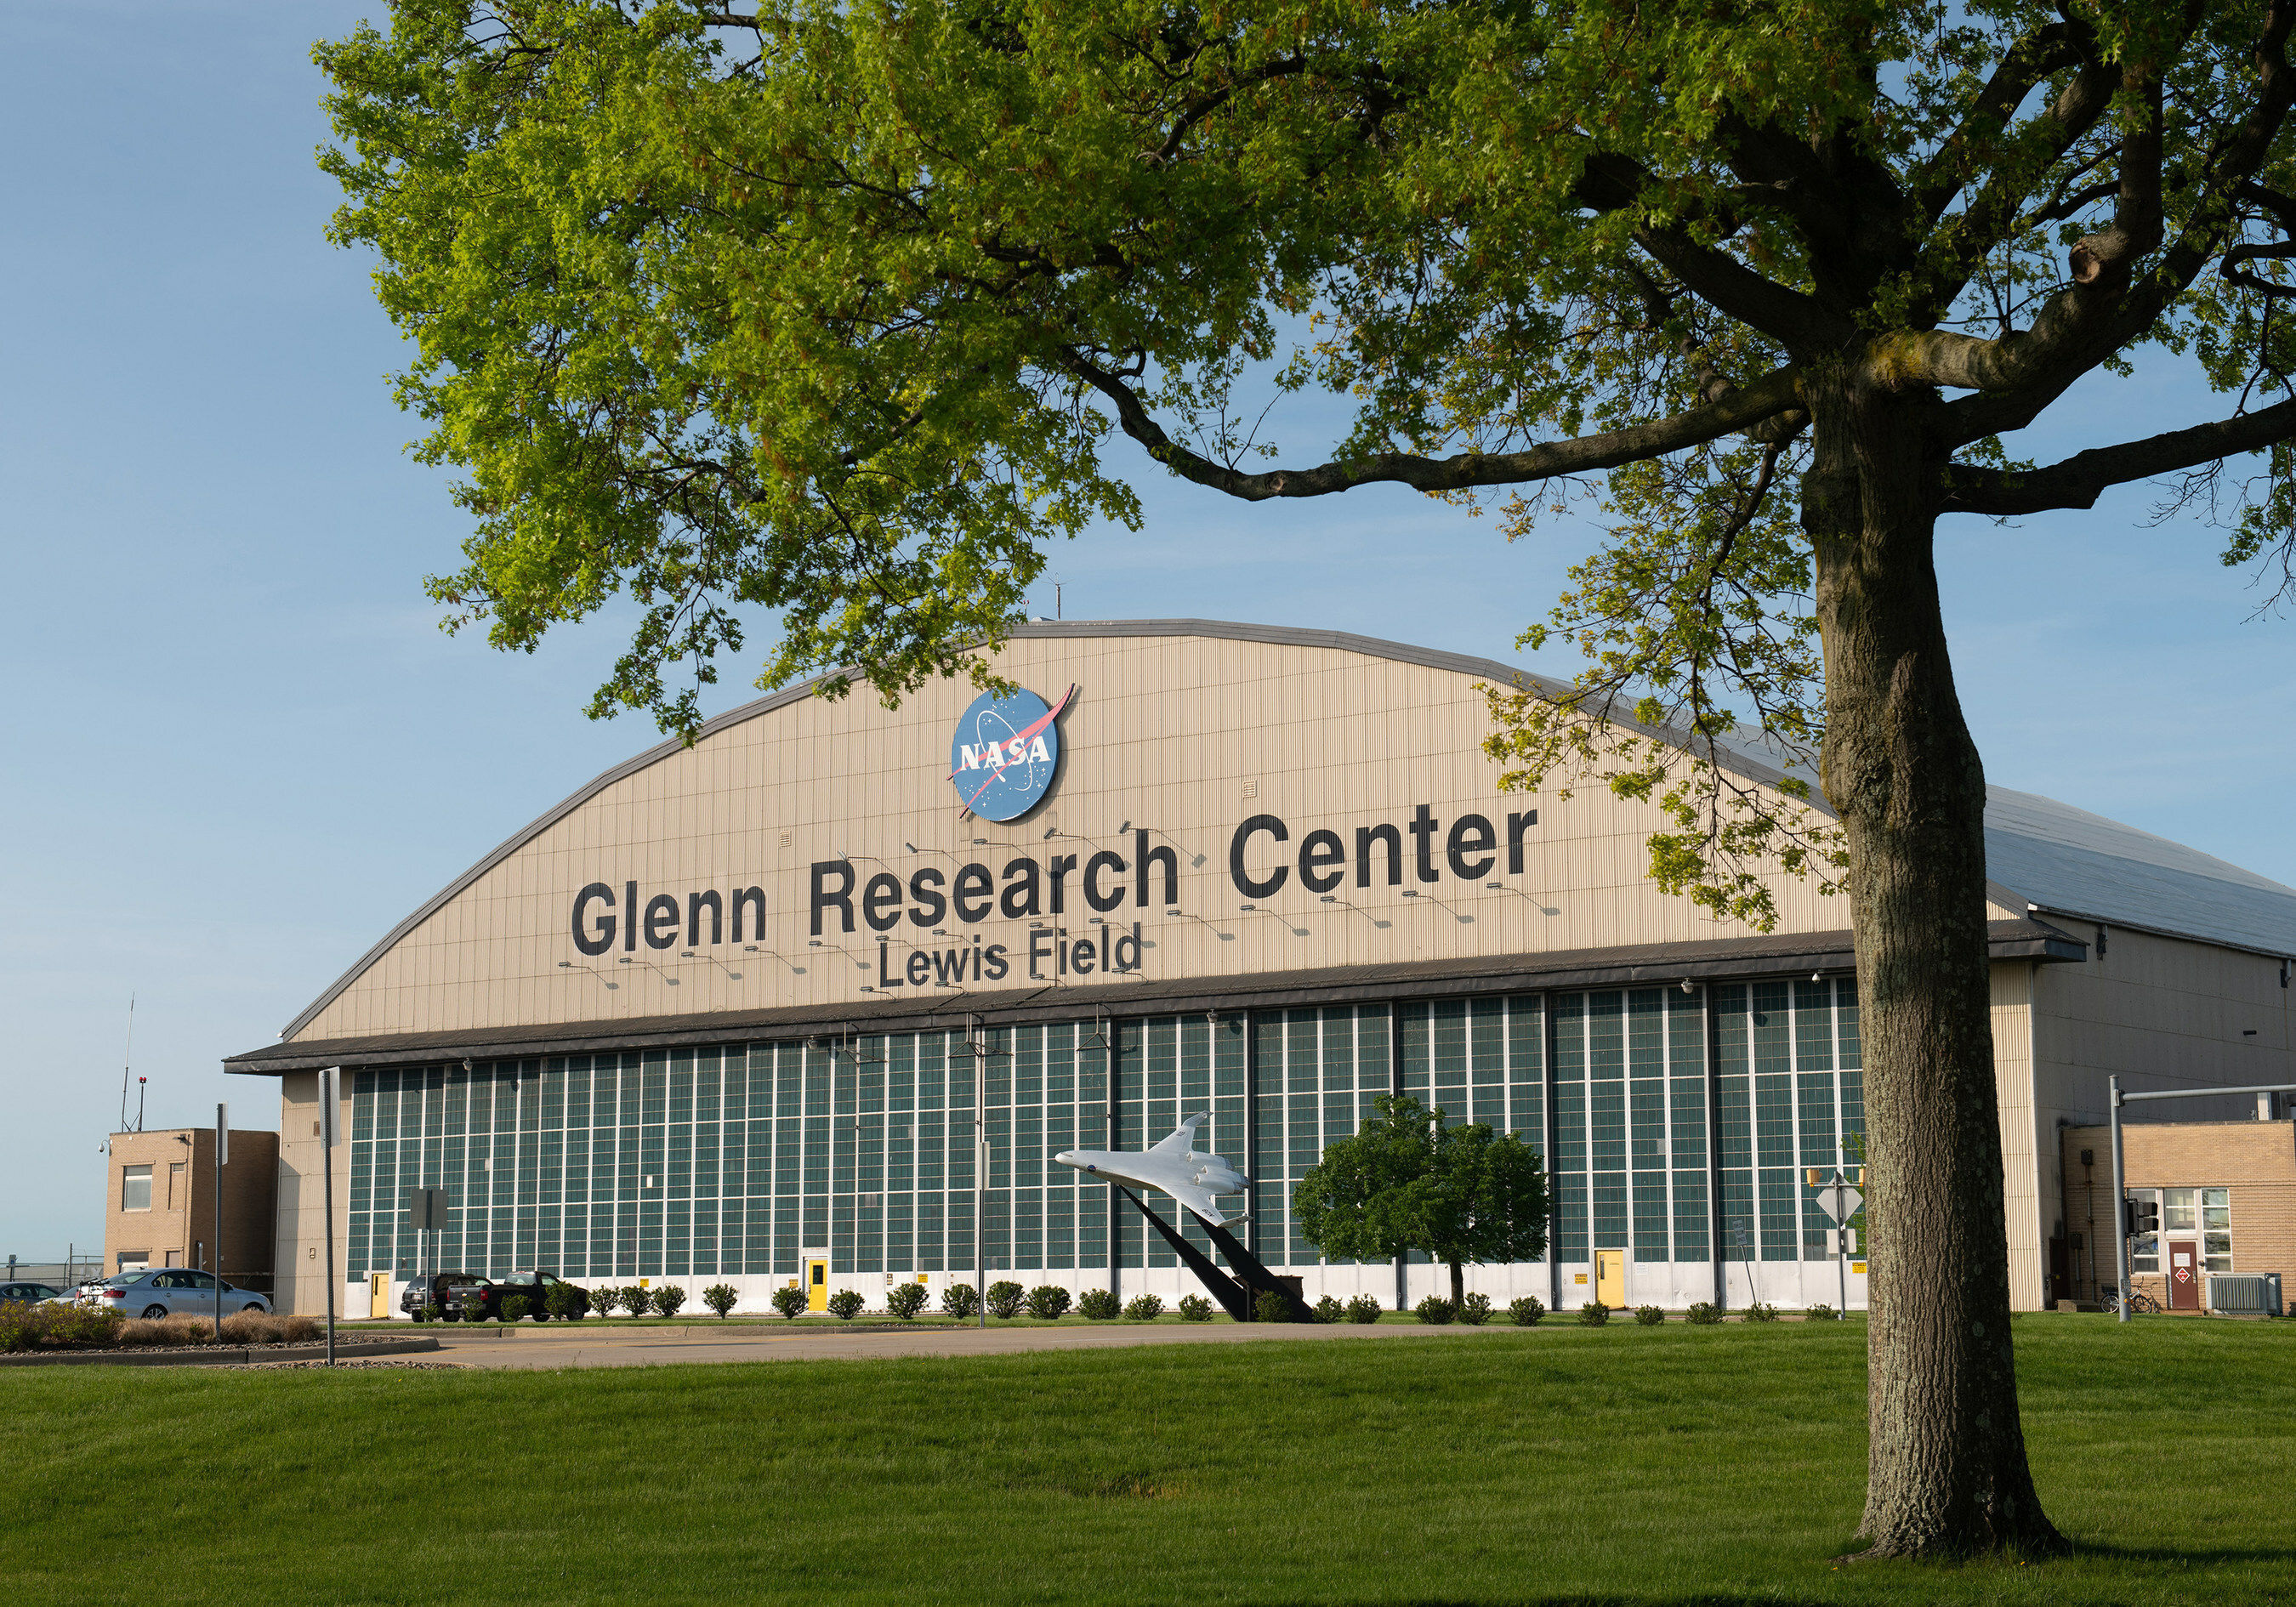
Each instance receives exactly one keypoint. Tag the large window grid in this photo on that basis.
(1628, 1168)
(697, 1163)
(1792, 1093)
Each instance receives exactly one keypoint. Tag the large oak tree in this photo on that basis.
(846, 309)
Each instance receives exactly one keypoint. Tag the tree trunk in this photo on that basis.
(1947, 1471)
(1458, 1285)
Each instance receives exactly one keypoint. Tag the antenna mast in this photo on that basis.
(128, 1062)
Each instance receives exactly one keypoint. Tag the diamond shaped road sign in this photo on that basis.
(1838, 1200)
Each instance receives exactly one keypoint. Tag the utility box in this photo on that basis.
(2244, 1294)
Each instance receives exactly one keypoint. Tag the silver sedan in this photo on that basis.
(172, 1290)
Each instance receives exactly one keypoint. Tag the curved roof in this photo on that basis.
(2070, 862)
(2051, 856)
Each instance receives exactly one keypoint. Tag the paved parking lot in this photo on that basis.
(583, 1345)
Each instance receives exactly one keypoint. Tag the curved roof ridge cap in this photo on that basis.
(1282, 635)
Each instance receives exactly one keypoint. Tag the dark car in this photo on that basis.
(449, 1292)
(459, 1295)
(28, 1294)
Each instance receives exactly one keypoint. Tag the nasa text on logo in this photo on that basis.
(1005, 753)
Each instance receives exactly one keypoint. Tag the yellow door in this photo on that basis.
(378, 1294)
(816, 1285)
(1611, 1278)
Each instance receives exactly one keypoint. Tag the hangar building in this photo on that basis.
(780, 1006)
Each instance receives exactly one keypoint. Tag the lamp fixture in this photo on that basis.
(1686, 987)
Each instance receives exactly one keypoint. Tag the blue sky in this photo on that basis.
(239, 749)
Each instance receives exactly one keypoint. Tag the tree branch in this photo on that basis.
(2080, 479)
(2033, 60)
(1774, 393)
(1610, 183)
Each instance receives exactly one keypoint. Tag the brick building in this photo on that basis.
(2226, 1192)
(159, 1209)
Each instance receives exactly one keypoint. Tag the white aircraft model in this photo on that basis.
(1174, 1165)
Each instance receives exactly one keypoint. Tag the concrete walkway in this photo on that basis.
(569, 1345)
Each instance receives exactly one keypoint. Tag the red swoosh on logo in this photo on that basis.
(1050, 715)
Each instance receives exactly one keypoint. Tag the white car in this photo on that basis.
(171, 1292)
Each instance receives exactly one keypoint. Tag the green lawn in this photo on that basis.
(1558, 1464)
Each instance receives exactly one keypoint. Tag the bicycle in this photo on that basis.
(2140, 1304)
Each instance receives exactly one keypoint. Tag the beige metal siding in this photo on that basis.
(1165, 733)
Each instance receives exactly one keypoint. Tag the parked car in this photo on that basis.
(536, 1286)
(459, 1295)
(28, 1294)
(171, 1291)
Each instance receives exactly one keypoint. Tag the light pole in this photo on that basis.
(223, 1158)
(329, 1097)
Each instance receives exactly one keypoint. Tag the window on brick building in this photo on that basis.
(135, 1188)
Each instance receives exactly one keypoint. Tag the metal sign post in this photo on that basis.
(223, 1158)
(329, 1097)
(1840, 1201)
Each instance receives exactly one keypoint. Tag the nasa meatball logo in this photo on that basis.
(1002, 760)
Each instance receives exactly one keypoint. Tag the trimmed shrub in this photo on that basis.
(431, 1313)
(514, 1307)
(1364, 1309)
(1193, 1308)
(475, 1310)
(1005, 1299)
(1435, 1310)
(636, 1300)
(1098, 1304)
(721, 1299)
(604, 1301)
(1759, 1313)
(1593, 1314)
(1475, 1310)
(905, 1300)
(1329, 1310)
(1145, 1307)
(667, 1299)
(961, 1301)
(845, 1305)
(1703, 1313)
(1526, 1312)
(1821, 1314)
(567, 1302)
(789, 1300)
(1271, 1308)
(1049, 1301)
(59, 1328)
(1650, 1316)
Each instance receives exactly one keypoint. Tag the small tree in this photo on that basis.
(514, 1307)
(720, 1297)
(1409, 1180)
(567, 1301)
(667, 1299)
(961, 1301)
(905, 1300)
(1005, 1299)
(1048, 1301)
(789, 1301)
(604, 1301)
(845, 1305)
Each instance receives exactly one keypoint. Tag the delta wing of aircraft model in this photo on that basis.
(1175, 1166)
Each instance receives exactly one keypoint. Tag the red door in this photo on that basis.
(2184, 1276)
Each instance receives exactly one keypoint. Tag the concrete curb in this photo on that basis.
(216, 1356)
